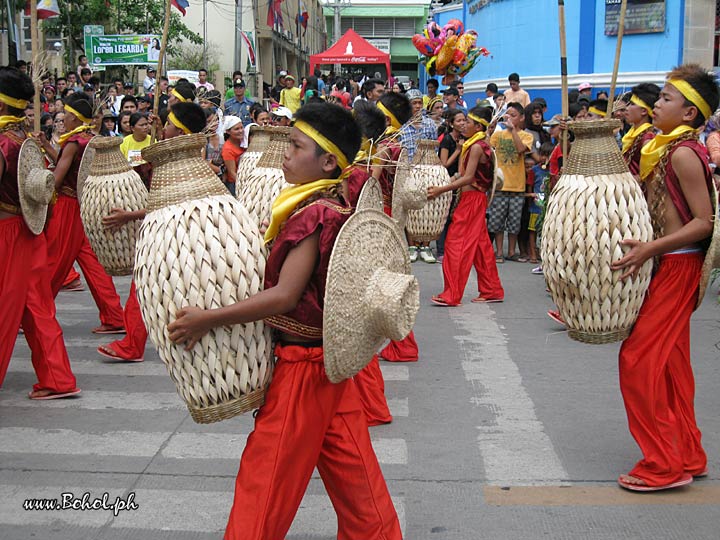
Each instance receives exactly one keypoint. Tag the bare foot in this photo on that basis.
(632, 480)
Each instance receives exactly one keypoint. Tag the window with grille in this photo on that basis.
(379, 26)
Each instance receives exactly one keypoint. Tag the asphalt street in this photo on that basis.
(505, 429)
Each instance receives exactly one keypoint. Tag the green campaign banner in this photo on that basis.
(116, 50)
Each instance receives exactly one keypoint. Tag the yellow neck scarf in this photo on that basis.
(634, 132)
(288, 200)
(653, 152)
(479, 136)
(7, 120)
(65, 136)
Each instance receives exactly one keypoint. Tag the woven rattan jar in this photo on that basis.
(199, 247)
(111, 183)
(263, 184)
(595, 205)
(259, 140)
(426, 224)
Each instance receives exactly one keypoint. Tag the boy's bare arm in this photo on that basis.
(193, 323)
(64, 164)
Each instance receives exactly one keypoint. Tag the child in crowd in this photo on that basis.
(537, 178)
(656, 377)
(306, 421)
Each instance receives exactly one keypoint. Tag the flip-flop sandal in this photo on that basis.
(108, 352)
(104, 329)
(54, 395)
(684, 481)
(701, 474)
(438, 301)
(516, 257)
(555, 316)
(482, 300)
(499, 260)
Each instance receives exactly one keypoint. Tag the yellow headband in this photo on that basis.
(478, 120)
(393, 121)
(83, 119)
(179, 96)
(595, 110)
(640, 103)
(14, 102)
(323, 142)
(692, 96)
(432, 103)
(177, 123)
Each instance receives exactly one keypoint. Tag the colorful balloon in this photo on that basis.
(445, 54)
(467, 41)
(454, 25)
(422, 44)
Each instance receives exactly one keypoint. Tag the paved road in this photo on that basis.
(505, 429)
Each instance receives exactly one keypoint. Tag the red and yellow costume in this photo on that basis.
(307, 421)
(25, 294)
(67, 242)
(468, 243)
(633, 141)
(656, 377)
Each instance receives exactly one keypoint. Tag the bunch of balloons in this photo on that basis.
(450, 51)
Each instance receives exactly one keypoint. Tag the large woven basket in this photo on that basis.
(111, 183)
(263, 185)
(427, 224)
(259, 140)
(199, 247)
(596, 204)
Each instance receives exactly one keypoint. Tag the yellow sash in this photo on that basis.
(653, 152)
(479, 136)
(629, 138)
(288, 200)
(7, 120)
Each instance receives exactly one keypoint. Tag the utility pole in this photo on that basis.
(205, 60)
(238, 35)
(337, 5)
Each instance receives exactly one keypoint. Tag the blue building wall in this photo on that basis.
(523, 36)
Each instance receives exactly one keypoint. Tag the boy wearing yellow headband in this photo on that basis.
(25, 294)
(183, 118)
(638, 114)
(468, 242)
(656, 376)
(306, 420)
(65, 233)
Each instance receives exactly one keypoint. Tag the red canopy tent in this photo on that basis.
(351, 48)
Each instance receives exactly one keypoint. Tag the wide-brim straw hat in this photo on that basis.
(408, 193)
(36, 185)
(370, 293)
(85, 165)
(712, 256)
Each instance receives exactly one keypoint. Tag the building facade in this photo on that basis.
(388, 24)
(523, 37)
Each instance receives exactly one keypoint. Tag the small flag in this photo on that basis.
(45, 9)
(181, 5)
(275, 14)
(247, 39)
(303, 16)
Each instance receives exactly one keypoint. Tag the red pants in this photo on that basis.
(72, 276)
(371, 388)
(25, 298)
(405, 350)
(656, 377)
(306, 422)
(132, 346)
(467, 244)
(66, 243)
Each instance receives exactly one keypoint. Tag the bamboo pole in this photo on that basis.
(34, 44)
(616, 67)
(158, 74)
(563, 74)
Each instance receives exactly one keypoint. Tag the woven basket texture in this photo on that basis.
(111, 184)
(426, 224)
(179, 172)
(206, 253)
(596, 204)
(264, 183)
(86, 164)
(259, 140)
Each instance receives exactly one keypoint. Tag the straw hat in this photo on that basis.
(85, 164)
(712, 256)
(408, 193)
(36, 185)
(370, 295)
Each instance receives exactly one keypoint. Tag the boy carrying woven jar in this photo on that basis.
(656, 377)
(306, 420)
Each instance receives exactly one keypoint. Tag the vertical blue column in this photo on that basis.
(586, 41)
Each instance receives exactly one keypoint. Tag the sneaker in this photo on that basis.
(427, 256)
(440, 258)
(413, 253)
(537, 270)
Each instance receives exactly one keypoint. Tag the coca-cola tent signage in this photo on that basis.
(351, 48)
